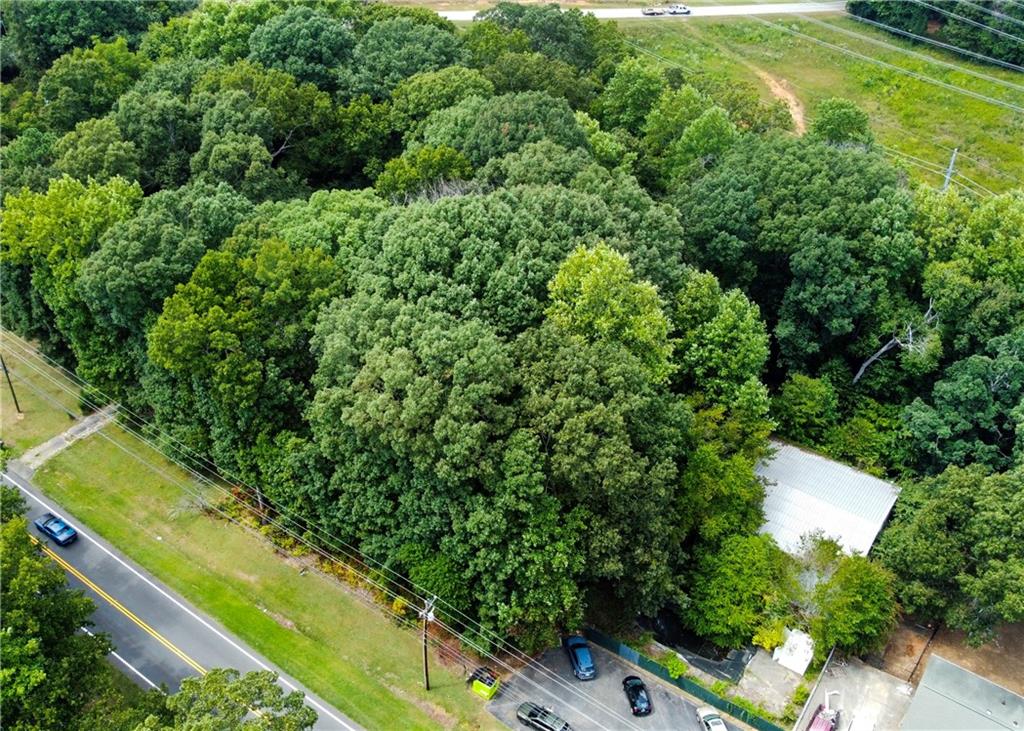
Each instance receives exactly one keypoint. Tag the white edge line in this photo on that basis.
(126, 663)
(283, 680)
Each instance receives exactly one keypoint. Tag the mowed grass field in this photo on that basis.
(311, 626)
(41, 399)
(909, 116)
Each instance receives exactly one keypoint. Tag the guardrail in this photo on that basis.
(712, 699)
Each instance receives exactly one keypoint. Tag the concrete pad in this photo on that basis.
(869, 698)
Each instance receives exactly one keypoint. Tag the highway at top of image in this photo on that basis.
(702, 11)
(159, 638)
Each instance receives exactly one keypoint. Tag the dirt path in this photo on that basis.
(780, 89)
(34, 458)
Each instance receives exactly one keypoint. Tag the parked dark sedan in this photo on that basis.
(639, 698)
(579, 657)
(56, 529)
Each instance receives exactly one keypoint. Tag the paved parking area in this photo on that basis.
(599, 703)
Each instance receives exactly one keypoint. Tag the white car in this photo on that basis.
(678, 10)
(710, 720)
(652, 11)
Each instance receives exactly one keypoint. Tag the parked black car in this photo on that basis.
(579, 657)
(56, 529)
(540, 718)
(639, 698)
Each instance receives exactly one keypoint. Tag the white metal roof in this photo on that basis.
(806, 492)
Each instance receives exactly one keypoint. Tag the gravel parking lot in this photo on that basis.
(599, 703)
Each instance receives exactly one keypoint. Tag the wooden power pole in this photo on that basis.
(427, 615)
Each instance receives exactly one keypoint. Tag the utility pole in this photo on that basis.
(427, 615)
(10, 384)
(949, 170)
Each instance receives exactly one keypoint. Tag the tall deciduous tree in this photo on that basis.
(596, 296)
(305, 42)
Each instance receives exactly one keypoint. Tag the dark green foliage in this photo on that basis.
(940, 21)
(27, 162)
(421, 168)
(305, 42)
(733, 588)
(415, 98)
(393, 50)
(956, 545)
(840, 121)
(856, 608)
(837, 216)
(486, 128)
(975, 411)
(95, 149)
(41, 30)
(806, 408)
(565, 36)
(511, 72)
(87, 82)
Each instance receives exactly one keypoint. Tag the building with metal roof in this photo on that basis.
(952, 698)
(807, 493)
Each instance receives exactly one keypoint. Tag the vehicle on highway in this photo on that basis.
(636, 693)
(56, 529)
(579, 657)
(540, 718)
(678, 10)
(652, 11)
(709, 719)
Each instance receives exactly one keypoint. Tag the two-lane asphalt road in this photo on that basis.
(160, 638)
(697, 11)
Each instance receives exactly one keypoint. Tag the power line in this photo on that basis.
(545, 671)
(994, 13)
(934, 42)
(970, 21)
(402, 620)
(926, 58)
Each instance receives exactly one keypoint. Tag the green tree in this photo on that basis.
(27, 161)
(95, 149)
(39, 32)
(486, 128)
(630, 95)
(974, 410)
(139, 261)
(855, 608)
(733, 589)
(955, 545)
(86, 82)
(305, 42)
(595, 296)
(225, 699)
(841, 121)
(413, 99)
(52, 233)
(393, 50)
(51, 669)
(671, 114)
(512, 72)
(805, 408)
(565, 36)
(485, 40)
(721, 343)
(419, 168)
(702, 144)
(219, 28)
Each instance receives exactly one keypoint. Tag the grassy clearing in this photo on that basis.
(40, 418)
(910, 116)
(309, 625)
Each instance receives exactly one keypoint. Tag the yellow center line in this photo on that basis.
(121, 608)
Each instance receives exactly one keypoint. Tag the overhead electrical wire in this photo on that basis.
(361, 559)
(971, 21)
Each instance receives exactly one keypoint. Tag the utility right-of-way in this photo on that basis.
(699, 11)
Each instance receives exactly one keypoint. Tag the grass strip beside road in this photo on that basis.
(308, 625)
(40, 419)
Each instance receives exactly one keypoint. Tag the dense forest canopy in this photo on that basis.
(514, 311)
